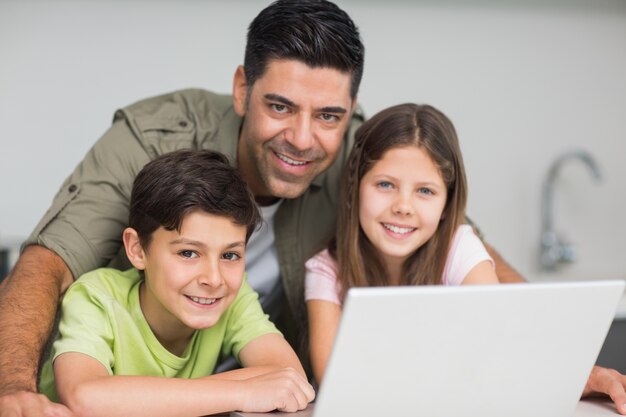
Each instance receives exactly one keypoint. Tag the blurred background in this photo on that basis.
(524, 82)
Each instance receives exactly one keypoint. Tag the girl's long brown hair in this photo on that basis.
(360, 264)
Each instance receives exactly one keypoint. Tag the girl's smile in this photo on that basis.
(402, 198)
(398, 231)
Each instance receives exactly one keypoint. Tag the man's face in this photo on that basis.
(295, 117)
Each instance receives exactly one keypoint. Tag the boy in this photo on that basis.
(184, 305)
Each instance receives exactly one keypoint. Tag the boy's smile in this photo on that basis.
(192, 276)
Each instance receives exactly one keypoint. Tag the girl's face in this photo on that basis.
(401, 200)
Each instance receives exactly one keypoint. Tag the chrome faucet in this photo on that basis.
(554, 250)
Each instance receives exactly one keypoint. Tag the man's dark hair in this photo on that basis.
(315, 32)
(177, 183)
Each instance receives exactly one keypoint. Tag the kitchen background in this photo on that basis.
(523, 81)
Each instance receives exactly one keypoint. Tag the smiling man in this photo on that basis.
(288, 127)
(295, 118)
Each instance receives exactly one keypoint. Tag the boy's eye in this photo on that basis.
(188, 254)
(231, 256)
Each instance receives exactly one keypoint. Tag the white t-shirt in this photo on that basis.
(262, 261)
(465, 253)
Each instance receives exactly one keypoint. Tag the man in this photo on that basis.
(288, 127)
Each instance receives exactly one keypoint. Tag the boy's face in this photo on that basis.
(295, 117)
(194, 275)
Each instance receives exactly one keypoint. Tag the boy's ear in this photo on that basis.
(240, 91)
(134, 251)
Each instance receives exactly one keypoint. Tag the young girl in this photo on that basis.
(402, 205)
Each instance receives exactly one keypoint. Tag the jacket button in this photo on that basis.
(182, 123)
(72, 188)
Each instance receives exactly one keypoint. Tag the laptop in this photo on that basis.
(514, 350)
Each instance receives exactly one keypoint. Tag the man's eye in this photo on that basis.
(231, 256)
(279, 108)
(188, 254)
(327, 117)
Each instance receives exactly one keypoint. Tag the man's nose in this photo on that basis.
(300, 133)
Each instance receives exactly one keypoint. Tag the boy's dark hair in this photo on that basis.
(315, 32)
(177, 183)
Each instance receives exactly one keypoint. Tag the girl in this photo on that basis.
(402, 205)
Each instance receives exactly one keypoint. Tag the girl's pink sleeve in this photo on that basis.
(466, 252)
(320, 282)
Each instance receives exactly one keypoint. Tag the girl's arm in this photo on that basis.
(483, 273)
(323, 322)
(505, 272)
(85, 386)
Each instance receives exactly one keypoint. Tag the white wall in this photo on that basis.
(522, 80)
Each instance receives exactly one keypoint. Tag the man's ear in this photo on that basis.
(134, 250)
(240, 91)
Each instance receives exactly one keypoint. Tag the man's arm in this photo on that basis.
(505, 272)
(604, 381)
(29, 298)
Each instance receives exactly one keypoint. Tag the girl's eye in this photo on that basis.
(426, 191)
(188, 254)
(278, 108)
(231, 256)
(385, 185)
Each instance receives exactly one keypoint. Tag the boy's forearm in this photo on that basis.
(243, 373)
(271, 351)
(29, 298)
(138, 396)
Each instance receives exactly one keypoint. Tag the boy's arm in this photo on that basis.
(85, 386)
(29, 298)
(267, 353)
(276, 379)
(323, 322)
(270, 351)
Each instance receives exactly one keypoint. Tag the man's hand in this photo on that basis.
(609, 382)
(30, 404)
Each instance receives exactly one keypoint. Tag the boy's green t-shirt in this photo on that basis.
(102, 318)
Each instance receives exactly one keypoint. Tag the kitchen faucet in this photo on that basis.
(553, 249)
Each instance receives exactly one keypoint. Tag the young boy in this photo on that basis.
(146, 341)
